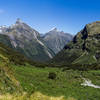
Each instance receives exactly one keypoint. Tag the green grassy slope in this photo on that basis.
(8, 83)
(5, 39)
(89, 58)
(35, 82)
(67, 83)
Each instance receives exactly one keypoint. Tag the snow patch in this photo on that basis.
(44, 47)
(49, 54)
(35, 35)
(4, 26)
(0, 31)
(40, 42)
(54, 28)
(14, 43)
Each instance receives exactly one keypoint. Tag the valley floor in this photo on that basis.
(66, 85)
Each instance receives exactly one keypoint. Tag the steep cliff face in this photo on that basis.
(84, 48)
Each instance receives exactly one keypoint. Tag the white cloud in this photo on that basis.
(1, 11)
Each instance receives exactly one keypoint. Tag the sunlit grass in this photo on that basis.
(35, 96)
(29, 79)
(67, 83)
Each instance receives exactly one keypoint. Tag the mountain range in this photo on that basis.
(29, 42)
(56, 40)
(84, 48)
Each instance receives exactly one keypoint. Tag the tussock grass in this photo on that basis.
(35, 96)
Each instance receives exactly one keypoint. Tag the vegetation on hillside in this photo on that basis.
(84, 48)
(67, 83)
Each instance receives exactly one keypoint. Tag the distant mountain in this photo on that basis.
(56, 40)
(26, 40)
(85, 47)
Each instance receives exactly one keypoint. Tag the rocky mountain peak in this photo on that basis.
(56, 40)
(18, 21)
(92, 28)
(54, 29)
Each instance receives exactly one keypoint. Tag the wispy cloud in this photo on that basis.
(1, 11)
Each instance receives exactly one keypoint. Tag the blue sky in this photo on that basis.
(67, 15)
